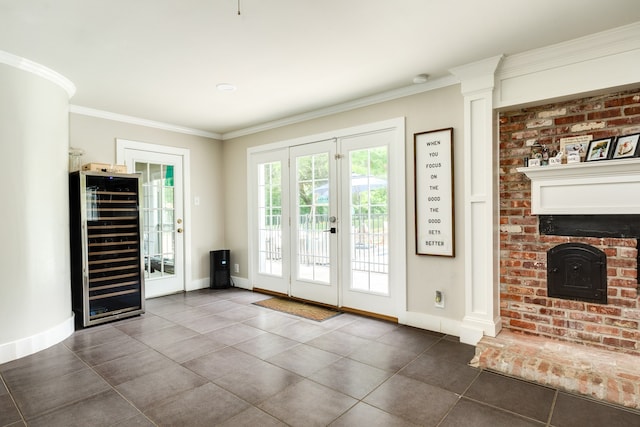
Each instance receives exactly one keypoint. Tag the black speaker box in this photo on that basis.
(220, 269)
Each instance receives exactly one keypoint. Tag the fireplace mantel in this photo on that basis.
(587, 188)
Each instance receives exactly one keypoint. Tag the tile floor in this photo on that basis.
(210, 357)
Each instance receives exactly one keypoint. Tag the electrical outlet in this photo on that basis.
(236, 268)
(439, 299)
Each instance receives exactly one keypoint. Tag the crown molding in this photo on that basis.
(85, 111)
(39, 70)
(603, 44)
(346, 106)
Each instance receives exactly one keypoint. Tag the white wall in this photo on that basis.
(35, 301)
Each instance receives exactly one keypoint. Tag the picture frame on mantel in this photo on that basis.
(600, 149)
(627, 146)
(434, 207)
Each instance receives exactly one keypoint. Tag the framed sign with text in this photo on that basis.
(433, 157)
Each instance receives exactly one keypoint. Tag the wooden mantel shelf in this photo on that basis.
(600, 187)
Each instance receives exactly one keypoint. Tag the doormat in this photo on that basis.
(308, 311)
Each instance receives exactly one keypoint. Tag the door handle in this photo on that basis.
(179, 230)
(332, 230)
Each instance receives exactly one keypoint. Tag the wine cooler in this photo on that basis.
(107, 280)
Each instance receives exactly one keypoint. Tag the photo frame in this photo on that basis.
(627, 146)
(575, 145)
(434, 210)
(600, 149)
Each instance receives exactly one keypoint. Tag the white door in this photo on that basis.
(328, 220)
(162, 219)
(365, 207)
(314, 222)
(269, 179)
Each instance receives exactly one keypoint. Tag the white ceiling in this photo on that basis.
(160, 60)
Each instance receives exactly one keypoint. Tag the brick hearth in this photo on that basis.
(601, 374)
(582, 347)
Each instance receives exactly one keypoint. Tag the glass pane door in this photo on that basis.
(314, 222)
(369, 220)
(270, 221)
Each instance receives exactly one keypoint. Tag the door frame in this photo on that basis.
(397, 185)
(124, 144)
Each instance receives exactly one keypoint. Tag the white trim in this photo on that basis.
(25, 346)
(589, 64)
(85, 111)
(481, 193)
(347, 106)
(39, 70)
(429, 322)
(123, 144)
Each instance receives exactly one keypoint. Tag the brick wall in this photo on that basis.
(524, 303)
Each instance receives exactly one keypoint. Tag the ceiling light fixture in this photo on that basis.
(225, 87)
(421, 78)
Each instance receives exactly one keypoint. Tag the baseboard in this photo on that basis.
(38, 342)
(432, 323)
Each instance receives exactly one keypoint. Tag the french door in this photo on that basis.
(162, 218)
(322, 221)
(314, 223)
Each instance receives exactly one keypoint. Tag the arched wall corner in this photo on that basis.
(35, 291)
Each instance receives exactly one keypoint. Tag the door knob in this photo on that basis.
(179, 230)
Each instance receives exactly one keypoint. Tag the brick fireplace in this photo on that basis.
(587, 347)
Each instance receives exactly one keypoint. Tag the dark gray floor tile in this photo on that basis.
(186, 315)
(165, 336)
(149, 390)
(575, 411)
(452, 349)
(111, 350)
(144, 324)
(413, 339)
(338, 342)
(270, 320)
(8, 412)
(303, 359)
(252, 417)
(208, 323)
(38, 369)
(90, 337)
(190, 348)
(467, 413)
(222, 362)
(103, 409)
(413, 400)
(307, 404)
(235, 334)
(452, 376)
(383, 356)
(137, 421)
(266, 345)
(241, 314)
(260, 382)
(123, 369)
(58, 391)
(205, 405)
(371, 329)
(366, 415)
(528, 399)
(301, 331)
(350, 377)
(172, 307)
(218, 307)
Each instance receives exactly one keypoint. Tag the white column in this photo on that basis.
(481, 197)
